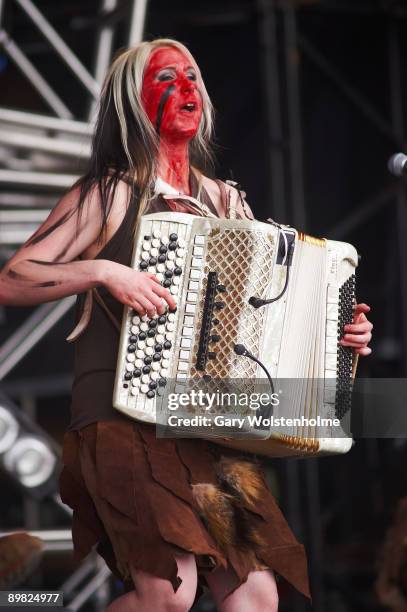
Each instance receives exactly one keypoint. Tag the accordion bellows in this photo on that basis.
(221, 272)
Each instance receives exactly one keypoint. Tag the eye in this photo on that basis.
(166, 75)
(191, 76)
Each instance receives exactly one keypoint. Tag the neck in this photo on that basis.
(173, 164)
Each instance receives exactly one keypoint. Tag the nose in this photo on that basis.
(187, 85)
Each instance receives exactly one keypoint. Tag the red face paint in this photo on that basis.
(170, 95)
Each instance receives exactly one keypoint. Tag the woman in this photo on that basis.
(161, 511)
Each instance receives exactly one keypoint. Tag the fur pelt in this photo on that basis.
(224, 507)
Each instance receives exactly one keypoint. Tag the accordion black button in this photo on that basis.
(163, 249)
(146, 369)
(156, 357)
(215, 321)
(131, 348)
(142, 336)
(173, 237)
(162, 382)
(151, 333)
(207, 377)
(147, 237)
(147, 360)
(167, 283)
(168, 273)
(153, 385)
(143, 265)
(161, 258)
(133, 338)
(215, 338)
(211, 355)
(162, 320)
(177, 271)
(219, 305)
(167, 345)
(172, 246)
(137, 373)
(152, 261)
(127, 376)
(150, 394)
(125, 385)
(221, 288)
(152, 323)
(173, 309)
(158, 348)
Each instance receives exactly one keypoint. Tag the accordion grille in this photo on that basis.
(243, 261)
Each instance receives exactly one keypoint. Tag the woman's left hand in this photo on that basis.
(359, 333)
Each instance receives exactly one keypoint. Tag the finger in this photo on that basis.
(138, 308)
(361, 308)
(147, 305)
(165, 294)
(358, 328)
(364, 352)
(153, 278)
(355, 340)
(158, 303)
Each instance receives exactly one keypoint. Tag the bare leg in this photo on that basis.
(257, 594)
(152, 593)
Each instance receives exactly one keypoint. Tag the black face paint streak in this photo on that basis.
(16, 275)
(38, 237)
(163, 101)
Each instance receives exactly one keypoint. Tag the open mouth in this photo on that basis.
(190, 107)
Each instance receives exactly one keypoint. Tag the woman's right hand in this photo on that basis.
(138, 290)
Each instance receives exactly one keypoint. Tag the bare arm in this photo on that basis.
(44, 268)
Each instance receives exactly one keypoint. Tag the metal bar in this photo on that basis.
(56, 146)
(30, 332)
(8, 115)
(396, 97)
(60, 47)
(100, 578)
(26, 200)
(352, 93)
(38, 179)
(271, 83)
(294, 116)
(35, 78)
(78, 576)
(137, 22)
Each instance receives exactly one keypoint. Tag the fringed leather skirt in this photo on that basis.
(141, 500)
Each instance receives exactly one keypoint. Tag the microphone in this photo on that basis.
(397, 164)
(240, 350)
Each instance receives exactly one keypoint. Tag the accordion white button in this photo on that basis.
(165, 240)
(187, 331)
(330, 361)
(170, 326)
(154, 252)
(156, 233)
(160, 277)
(192, 296)
(330, 373)
(144, 388)
(136, 320)
(135, 382)
(145, 318)
(151, 269)
(171, 317)
(164, 372)
(140, 354)
(134, 329)
(197, 262)
(198, 250)
(154, 375)
(174, 289)
(155, 366)
(190, 308)
(179, 262)
(145, 256)
(186, 342)
(160, 338)
(170, 265)
(150, 341)
(134, 391)
(161, 267)
(193, 285)
(155, 243)
(331, 328)
(189, 321)
(145, 378)
(180, 252)
(181, 242)
(332, 312)
(169, 335)
(149, 350)
(182, 366)
(146, 245)
(199, 239)
(165, 363)
(130, 357)
(139, 362)
(195, 274)
(161, 329)
(130, 367)
(184, 354)
(166, 354)
(330, 396)
(144, 326)
(332, 294)
(141, 344)
(171, 255)
(331, 345)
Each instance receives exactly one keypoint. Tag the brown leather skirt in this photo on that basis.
(140, 500)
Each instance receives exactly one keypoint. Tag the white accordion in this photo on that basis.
(251, 298)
